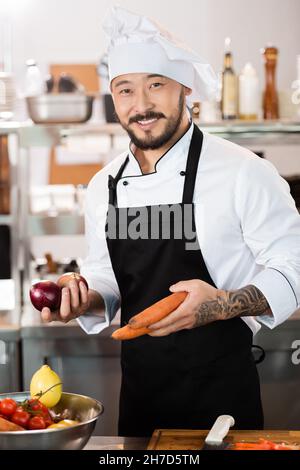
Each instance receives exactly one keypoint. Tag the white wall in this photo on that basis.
(70, 30)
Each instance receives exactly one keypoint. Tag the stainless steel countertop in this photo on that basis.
(116, 443)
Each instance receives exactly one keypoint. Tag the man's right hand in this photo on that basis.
(75, 301)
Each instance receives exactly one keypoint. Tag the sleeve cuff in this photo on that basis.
(94, 323)
(279, 294)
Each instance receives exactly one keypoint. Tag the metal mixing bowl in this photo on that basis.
(82, 408)
(60, 108)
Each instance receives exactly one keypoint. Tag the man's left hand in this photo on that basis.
(194, 310)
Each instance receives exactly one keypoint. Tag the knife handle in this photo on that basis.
(220, 429)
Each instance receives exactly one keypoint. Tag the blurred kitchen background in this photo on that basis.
(57, 129)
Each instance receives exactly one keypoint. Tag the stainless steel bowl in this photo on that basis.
(84, 409)
(60, 108)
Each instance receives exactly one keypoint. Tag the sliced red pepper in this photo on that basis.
(264, 444)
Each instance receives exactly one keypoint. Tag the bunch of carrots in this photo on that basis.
(139, 324)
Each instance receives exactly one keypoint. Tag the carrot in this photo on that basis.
(129, 333)
(6, 426)
(157, 311)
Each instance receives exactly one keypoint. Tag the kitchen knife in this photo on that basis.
(214, 439)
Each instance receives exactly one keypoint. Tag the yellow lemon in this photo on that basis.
(59, 425)
(46, 386)
(69, 422)
(65, 423)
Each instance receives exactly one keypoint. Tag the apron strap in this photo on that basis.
(258, 358)
(192, 165)
(113, 181)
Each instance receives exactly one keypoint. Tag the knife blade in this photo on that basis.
(214, 439)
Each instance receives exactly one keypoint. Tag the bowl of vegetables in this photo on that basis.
(45, 418)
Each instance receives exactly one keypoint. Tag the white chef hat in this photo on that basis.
(140, 45)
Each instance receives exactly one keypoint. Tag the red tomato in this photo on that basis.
(48, 420)
(8, 406)
(36, 405)
(37, 422)
(21, 418)
(40, 409)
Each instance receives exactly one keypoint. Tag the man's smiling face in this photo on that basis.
(149, 107)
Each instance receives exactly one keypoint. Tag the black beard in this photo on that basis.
(153, 143)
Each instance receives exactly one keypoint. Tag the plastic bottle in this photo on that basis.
(34, 83)
(296, 91)
(249, 94)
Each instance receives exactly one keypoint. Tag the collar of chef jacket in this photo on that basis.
(175, 156)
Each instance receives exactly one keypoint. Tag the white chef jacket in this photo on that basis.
(247, 224)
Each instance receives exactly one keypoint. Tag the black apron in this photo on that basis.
(189, 378)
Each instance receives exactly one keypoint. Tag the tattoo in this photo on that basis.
(246, 302)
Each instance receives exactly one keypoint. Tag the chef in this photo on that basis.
(237, 257)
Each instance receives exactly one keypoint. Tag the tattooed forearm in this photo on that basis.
(245, 302)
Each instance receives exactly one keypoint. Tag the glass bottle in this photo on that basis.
(229, 102)
(270, 98)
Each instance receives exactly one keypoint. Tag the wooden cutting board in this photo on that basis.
(181, 439)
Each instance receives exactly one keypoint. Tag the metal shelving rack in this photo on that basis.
(23, 136)
(12, 221)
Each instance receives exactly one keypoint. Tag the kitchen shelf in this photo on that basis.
(256, 132)
(10, 304)
(40, 225)
(239, 126)
(243, 132)
(267, 132)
